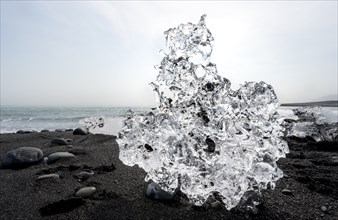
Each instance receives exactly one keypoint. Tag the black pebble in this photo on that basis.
(59, 141)
(80, 131)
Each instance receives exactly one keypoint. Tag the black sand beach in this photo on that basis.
(311, 176)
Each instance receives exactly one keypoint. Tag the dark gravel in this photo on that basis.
(312, 177)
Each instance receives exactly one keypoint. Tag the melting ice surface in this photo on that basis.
(316, 122)
(204, 137)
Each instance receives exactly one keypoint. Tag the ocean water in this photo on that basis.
(13, 119)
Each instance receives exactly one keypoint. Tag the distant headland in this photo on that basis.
(320, 103)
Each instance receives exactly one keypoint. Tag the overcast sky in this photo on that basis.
(81, 53)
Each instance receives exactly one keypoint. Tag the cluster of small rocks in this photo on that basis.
(27, 156)
(24, 157)
(77, 131)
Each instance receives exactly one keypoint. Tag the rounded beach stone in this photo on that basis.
(58, 155)
(84, 175)
(216, 205)
(24, 132)
(85, 192)
(287, 192)
(154, 191)
(78, 150)
(49, 176)
(44, 130)
(22, 157)
(80, 131)
(323, 208)
(60, 141)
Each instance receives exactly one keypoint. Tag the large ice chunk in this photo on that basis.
(204, 137)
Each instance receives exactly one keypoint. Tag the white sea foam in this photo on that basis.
(13, 119)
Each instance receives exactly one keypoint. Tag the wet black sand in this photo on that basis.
(311, 175)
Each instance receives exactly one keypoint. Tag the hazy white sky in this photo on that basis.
(73, 53)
